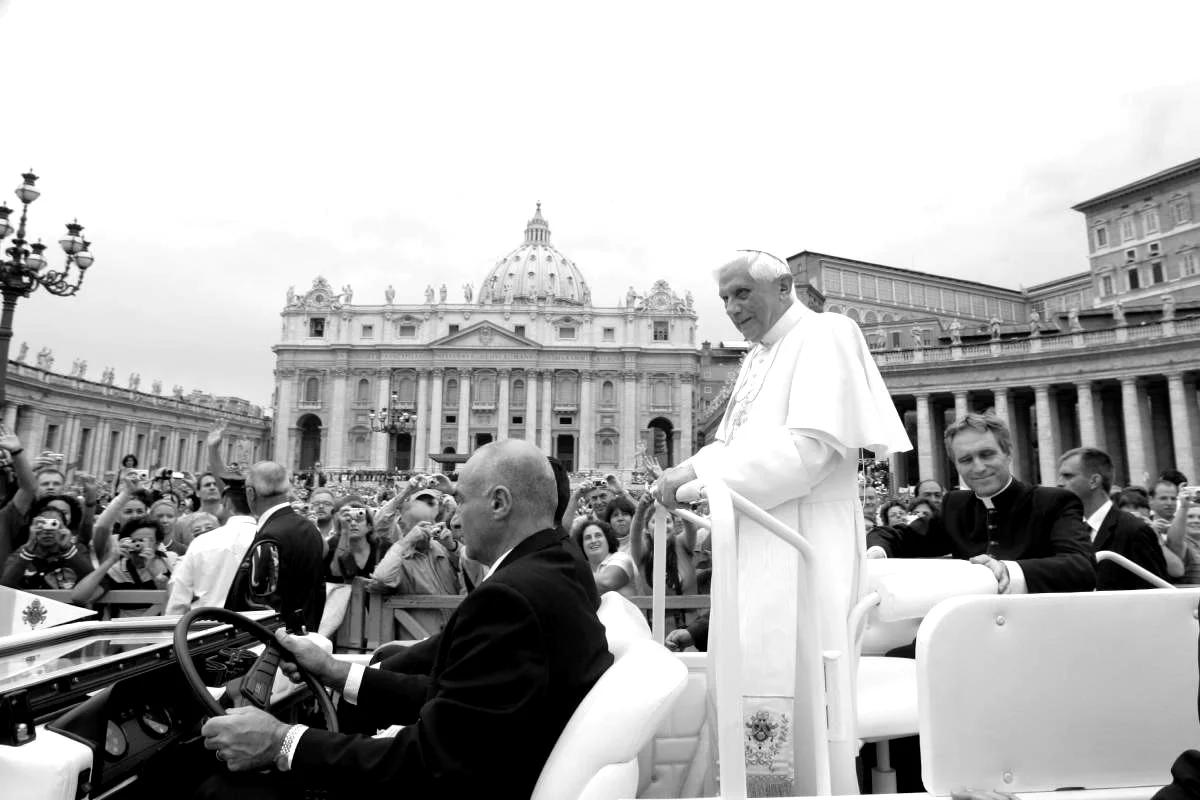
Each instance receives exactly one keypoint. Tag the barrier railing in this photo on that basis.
(152, 600)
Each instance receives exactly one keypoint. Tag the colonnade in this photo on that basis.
(1147, 423)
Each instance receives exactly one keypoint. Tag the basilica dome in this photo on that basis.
(535, 272)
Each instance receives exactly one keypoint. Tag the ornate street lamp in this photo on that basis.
(393, 420)
(21, 273)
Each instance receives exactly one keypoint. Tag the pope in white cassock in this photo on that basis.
(808, 397)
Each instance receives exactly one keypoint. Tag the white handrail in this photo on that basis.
(1143, 573)
(810, 751)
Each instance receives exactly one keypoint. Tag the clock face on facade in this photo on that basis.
(318, 298)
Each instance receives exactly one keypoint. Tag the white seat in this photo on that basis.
(596, 756)
(1033, 693)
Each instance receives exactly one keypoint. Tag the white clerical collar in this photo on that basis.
(987, 501)
(496, 564)
(791, 317)
(1097, 519)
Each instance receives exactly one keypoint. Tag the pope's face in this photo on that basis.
(753, 306)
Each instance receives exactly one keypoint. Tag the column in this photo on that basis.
(587, 421)
(335, 456)
(503, 415)
(420, 450)
(687, 413)
(10, 417)
(926, 453)
(1087, 414)
(285, 384)
(1047, 436)
(531, 395)
(1135, 432)
(435, 410)
(961, 407)
(1000, 406)
(464, 411)
(547, 411)
(1183, 422)
(629, 414)
(383, 398)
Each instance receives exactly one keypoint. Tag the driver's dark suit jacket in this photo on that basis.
(301, 578)
(485, 700)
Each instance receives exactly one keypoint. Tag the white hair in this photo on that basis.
(268, 479)
(760, 266)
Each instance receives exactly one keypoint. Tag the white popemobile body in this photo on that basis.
(1083, 695)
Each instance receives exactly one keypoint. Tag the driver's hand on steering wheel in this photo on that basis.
(312, 658)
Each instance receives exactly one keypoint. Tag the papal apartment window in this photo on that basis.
(408, 331)
(1179, 212)
(453, 329)
(316, 327)
(1133, 279)
(1150, 221)
(1126, 229)
(1106, 285)
(1130, 255)
(609, 334)
(1189, 264)
(519, 330)
(368, 331)
(662, 331)
(1156, 272)
(566, 331)
(1154, 248)
(1101, 237)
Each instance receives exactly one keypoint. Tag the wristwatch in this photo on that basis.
(283, 759)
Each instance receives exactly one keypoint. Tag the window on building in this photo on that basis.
(1130, 256)
(660, 392)
(363, 394)
(518, 419)
(609, 334)
(1150, 220)
(1155, 248)
(359, 445)
(1102, 236)
(566, 331)
(662, 331)
(1189, 263)
(1127, 231)
(316, 327)
(896, 339)
(608, 393)
(707, 390)
(518, 393)
(1156, 272)
(406, 390)
(453, 329)
(368, 331)
(1133, 279)
(566, 388)
(485, 389)
(51, 441)
(519, 330)
(1180, 211)
(566, 420)
(450, 396)
(1106, 285)
(451, 419)
(408, 331)
(312, 390)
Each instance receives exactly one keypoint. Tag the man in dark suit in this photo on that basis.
(1087, 473)
(283, 568)
(486, 700)
(1032, 538)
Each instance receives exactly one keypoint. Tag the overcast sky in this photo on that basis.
(219, 152)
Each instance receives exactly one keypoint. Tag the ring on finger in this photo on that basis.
(220, 756)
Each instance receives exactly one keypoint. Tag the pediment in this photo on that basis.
(485, 335)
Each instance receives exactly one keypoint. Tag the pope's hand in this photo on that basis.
(245, 738)
(679, 640)
(308, 655)
(665, 487)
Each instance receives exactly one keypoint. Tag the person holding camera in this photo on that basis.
(12, 517)
(352, 549)
(50, 559)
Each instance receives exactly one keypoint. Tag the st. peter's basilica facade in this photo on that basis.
(526, 356)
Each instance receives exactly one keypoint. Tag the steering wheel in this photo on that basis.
(256, 687)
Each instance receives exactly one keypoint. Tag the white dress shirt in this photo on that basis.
(205, 573)
(1097, 519)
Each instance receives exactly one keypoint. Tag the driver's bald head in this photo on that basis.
(521, 468)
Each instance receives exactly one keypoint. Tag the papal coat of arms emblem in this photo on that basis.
(34, 614)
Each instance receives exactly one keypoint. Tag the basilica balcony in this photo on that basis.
(483, 405)
(565, 408)
(309, 405)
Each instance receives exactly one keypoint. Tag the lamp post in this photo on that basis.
(392, 420)
(21, 273)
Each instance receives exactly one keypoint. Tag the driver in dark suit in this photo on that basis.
(284, 567)
(484, 702)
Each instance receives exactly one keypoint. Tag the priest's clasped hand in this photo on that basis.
(998, 568)
(665, 488)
